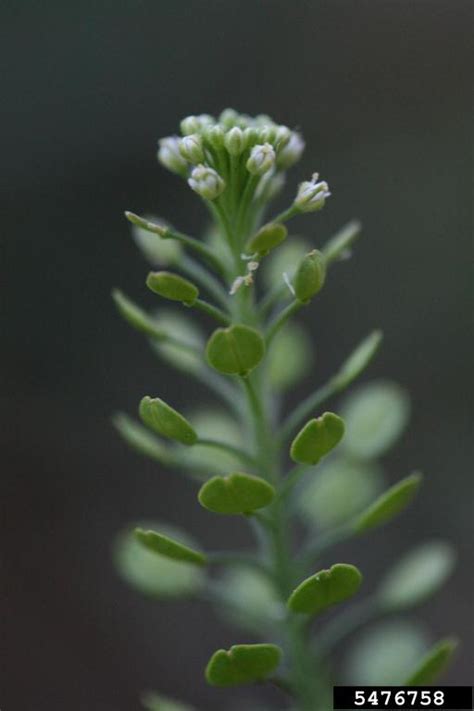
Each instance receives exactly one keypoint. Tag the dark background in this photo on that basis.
(380, 90)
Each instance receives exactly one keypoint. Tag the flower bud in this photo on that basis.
(190, 148)
(234, 141)
(262, 159)
(268, 237)
(206, 182)
(268, 134)
(169, 155)
(172, 286)
(282, 137)
(228, 118)
(189, 125)
(251, 137)
(291, 152)
(311, 195)
(310, 276)
(215, 135)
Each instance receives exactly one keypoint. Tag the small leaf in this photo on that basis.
(163, 545)
(342, 489)
(375, 415)
(326, 588)
(310, 276)
(267, 238)
(389, 504)
(359, 359)
(289, 358)
(433, 664)
(135, 316)
(235, 350)
(141, 439)
(172, 286)
(242, 664)
(162, 418)
(157, 702)
(385, 654)
(235, 494)
(154, 575)
(317, 438)
(417, 576)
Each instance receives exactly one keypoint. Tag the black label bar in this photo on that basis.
(402, 697)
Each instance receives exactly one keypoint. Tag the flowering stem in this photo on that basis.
(281, 319)
(212, 311)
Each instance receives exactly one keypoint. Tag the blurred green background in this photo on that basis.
(380, 90)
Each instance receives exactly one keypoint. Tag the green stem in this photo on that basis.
(236, 451)
(306, 408)
(207, 280)
(286, 214)
(212, 311)
(281, 319)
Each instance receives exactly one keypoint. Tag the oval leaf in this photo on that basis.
(235, 494)
(375, 415)
(326, 588)
(433, 664)
(317, 438)
(417, 576)
(389, 504)
(162, 418)
(163, 545)
(154, 575)
(242, 664)
(135, 316)
(172, 286)
(359, 359)
(235, 350)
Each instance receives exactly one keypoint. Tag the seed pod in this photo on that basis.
(268, 237)
(162, 418)
(235, 350)
(310, 276)
(172, 286)
(317, 438)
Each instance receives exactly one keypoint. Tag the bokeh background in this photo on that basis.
(381, 93)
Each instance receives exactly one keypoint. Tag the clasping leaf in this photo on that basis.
(235, 494)
(389, 504)
(162, 418)
(326, 588)
(242, 664)
(166, 546)
(317, 438)
(235, 350)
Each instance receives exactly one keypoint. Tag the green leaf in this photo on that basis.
(156, 250)
(433, 664)
(154, 575)
(289, 357)
(417, 576)
(317, 438)
(338, 246)
(310, 276)
(326, 588)
(267, 238)
(172, 286)
(163, 545)
(235, 350)
(157, 702)
(284, 260)
(389, 504)
(358, 360)
(385, 654)
(163, 419)
(141, 439)
(242, 664)
(375, 415)
(235, 494)
(135, 316)
(249, 599)
(183, 328)
(340, 491)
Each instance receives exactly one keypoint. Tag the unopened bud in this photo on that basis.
(206, 182)
(215, 135)
(251, 136)
(169, 155)
(268, 237)
(291, 152)
(312, 195)
(282, 137)
(172, 286)
(191, 148)
(262, 159)
(189, 125)
(310, 276)
(229, 118)
(234, 141)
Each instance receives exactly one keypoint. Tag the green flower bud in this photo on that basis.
(235, 350)
(189, 125)
(268, 134)
(251, 136)
(311, 195)
(206, 182)
(215, 135)
(290, 154)
(268, 237)
(191, 148)
(172, 286)
(229, 118)
(310, 276)
(262, 159)
(162, 418)
(234, 141)
(170, 156)
(282, 136)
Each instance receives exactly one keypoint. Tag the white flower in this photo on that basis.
(262, 159)
(170, 156)
(312, 195)
(191, 148)
(291, 152)
(206, 182)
